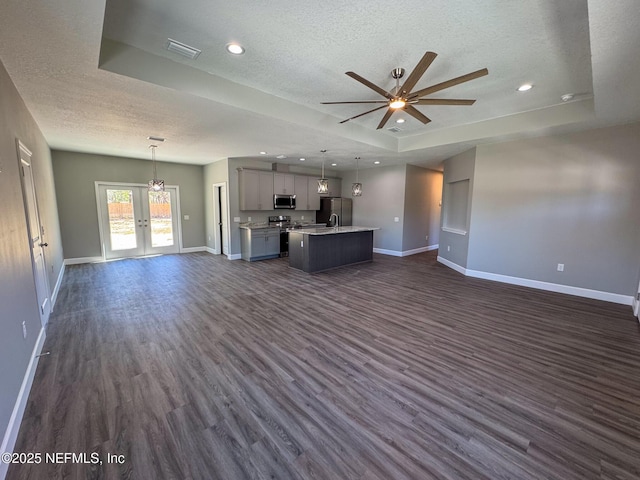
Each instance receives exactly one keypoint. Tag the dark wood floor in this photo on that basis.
(195, 367)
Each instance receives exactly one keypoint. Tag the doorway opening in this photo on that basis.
(136, 222)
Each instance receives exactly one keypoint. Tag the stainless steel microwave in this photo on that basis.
(284, 201)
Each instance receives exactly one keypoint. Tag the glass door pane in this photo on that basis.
(160, 219)
(122, 224)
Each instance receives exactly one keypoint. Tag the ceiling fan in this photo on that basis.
(402, 98)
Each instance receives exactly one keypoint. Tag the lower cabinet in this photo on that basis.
(260, 244)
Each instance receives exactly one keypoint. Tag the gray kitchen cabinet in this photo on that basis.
(260, 244)
(256, 190)
(284, 183)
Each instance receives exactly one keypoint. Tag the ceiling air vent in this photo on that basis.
(394, 129)
(182, 49)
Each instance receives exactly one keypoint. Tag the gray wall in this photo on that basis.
(423, 192)
(18, 301)
(76, 174)
(572, 199)
(455, 247)
(382, 199)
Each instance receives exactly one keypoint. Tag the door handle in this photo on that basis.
(44, 244)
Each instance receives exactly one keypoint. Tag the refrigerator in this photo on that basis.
(339, 206)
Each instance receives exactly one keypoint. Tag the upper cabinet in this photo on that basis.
(283, 183)
(258, 186)
(256, 190)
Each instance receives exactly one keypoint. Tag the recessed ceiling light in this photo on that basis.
(235, 49)
(156, 139)
(334, 164)
(524, 88)
(376, 162)
(302, 159)
(281, 157)
(263, 153)
(400, 120)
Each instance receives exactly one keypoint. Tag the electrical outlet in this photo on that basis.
(248, 219)
(186, 217)
(426, 237)
(209, 237)
(24, 329)
(236, 219)
(448, 248)
(302, 217)
(561, 267)
(396, 219)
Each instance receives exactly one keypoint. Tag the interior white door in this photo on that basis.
(220, 219)
(137, 222)
(36, 232)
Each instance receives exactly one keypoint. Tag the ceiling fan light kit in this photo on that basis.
(403, 98)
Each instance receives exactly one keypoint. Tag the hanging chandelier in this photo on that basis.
(323, 183)
(155, 185)
(356, 188)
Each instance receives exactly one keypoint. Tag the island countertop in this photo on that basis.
(333, 230)
(317, 249)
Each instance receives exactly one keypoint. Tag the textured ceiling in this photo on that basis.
(98, 78)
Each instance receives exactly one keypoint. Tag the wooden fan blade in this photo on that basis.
(372, 86)
(386, 118)
(366, 101)
(449, 83)
(377, 108)
(415, 113)
(441, 101)
(417, 73)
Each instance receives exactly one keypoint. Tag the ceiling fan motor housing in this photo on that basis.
(397, 73)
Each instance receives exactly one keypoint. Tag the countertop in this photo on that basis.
(256, 226)
(260, 225)
(333, 230)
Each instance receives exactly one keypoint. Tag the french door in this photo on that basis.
(137, 222)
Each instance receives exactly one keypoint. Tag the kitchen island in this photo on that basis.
(317, 249)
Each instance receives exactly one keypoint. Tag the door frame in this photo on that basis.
(41, 280)
(224, 208)
(99, 183)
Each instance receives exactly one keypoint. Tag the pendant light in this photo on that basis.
(155, 185)
(356, 188)
(323, 183)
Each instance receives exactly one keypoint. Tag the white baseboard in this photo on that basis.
(193, 249)
(234, 256)
(11, 433)
(384, 251)
(56, 289)
(550, 287)
(405, 253)
(453, 266)
(79, 260)
(212, 251)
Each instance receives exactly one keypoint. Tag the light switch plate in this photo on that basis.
(236, 219)
(396, 219)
